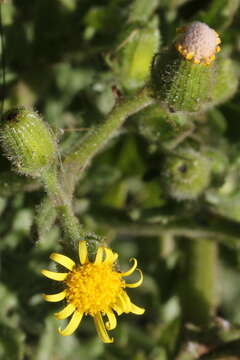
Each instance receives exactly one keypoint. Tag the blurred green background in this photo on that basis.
(63, 57)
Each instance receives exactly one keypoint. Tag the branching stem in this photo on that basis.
(97, 137)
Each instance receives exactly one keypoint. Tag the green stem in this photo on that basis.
(97, 137)
(62, 204)
(199, 281)
(214, 234)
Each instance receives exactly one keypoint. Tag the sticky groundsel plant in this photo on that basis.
(136, 150)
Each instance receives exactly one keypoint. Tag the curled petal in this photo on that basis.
(112, 321)
(72, 325)
(137, 283)
(55, 297)
(54, 275)
(110, 257)
(65, 312)
(83, 252)
(99, 256)
(101, 330)
(132, 269)
(63, 260)
(115, 256)
(137, 310)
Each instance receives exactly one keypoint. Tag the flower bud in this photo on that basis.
(27, 142)
(183, 77)
(186, 174)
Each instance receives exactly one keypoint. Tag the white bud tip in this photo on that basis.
(198, 43)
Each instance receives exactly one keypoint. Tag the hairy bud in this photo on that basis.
(186, 174)
(183, 76)
(27, 142)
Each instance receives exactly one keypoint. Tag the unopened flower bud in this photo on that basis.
(183, 77)
(186, 174)
(27, 142)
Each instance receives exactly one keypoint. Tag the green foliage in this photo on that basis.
(72, 61)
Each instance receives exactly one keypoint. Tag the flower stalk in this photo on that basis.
(62, 204)
(199, 292)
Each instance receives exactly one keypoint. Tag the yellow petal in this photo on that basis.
(55, 297)
(136, 309)
(83, 252)
(115, 256)
(63, 260)
(72, 325)
(137, 283)
(110, 256)
(101, 330)
(65, 312)
(127, 301)
(112, 321)
(178, 47)
(54, 275)
(123, 304)
(132, 269)
(189, 56)
(99, 256)
(196, 61)
(118, 309)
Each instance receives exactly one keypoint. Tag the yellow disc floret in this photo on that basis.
(87, 291)
(198, 43)
(93, 288)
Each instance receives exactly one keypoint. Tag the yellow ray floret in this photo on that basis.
(83, 252)
(93, 288)
(54, 275)
(112, 321)
(55, 297)
(72, 325)
(137, 283)
(63, 260)
(101, 329)
(65, 312)
(132, 269)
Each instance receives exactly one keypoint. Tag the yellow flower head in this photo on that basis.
(93, 288)
(198, 43)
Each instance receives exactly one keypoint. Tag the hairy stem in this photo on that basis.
(62, 204)
(98, 136)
